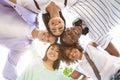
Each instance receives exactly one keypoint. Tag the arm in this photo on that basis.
(75, 74)
(14, 1)
(112, 50)
(105, 42)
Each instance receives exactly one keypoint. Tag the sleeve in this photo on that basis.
(71, 2)
(3, 2)
(103, 41)
(31, 70)
(27, 15)
(76, 16)
(26, 75)
(81, 70)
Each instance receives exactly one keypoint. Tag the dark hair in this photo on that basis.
(57, 62)
(64, 57)
(116, 76)
(46, 18)
(78, 22)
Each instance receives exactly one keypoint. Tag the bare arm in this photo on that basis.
(14, 1)
(112, 50)
(75, 74)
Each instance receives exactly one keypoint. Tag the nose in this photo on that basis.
(56, 22)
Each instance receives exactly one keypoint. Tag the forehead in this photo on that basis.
(68, 50)
(54, 46)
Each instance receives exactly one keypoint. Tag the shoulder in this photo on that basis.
(71, 2)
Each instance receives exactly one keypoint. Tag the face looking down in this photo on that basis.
(46, 37)
(56, 25)
(73, 53)
(71, 35)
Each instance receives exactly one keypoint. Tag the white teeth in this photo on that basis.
(52, 55)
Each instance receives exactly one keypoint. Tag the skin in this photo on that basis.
(71, 35)
(75, 54)
(43, 36)
(110, 48)
(75, 74)
(72, 55)
(14, 1)
(55, 24)
(52, 55)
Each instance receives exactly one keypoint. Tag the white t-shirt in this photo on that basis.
(106, 64)
(29, 4)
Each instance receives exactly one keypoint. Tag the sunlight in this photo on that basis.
(41, 47)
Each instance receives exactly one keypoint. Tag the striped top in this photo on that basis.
(99, 16)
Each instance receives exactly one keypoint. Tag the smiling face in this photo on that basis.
(56, 26)
(46, 37)
(53, 53)
(73, 54)
(71, 35)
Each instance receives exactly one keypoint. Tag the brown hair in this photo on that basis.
(46, 18)
(64, 57)
(57, 62)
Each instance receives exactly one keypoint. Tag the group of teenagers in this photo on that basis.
(19, 26)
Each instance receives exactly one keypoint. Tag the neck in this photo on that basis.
(53, 10)
(48, 64)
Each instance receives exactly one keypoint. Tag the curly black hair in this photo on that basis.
(64, 57)
(78, 22)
